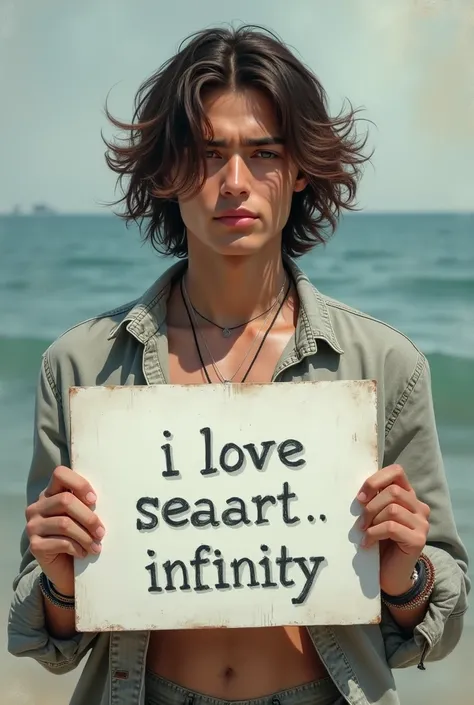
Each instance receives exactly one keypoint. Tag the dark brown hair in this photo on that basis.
(169, 128)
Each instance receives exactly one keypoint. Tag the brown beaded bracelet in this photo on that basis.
(421, 597)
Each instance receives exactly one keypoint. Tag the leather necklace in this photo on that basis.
(227, 330)
(216, 369)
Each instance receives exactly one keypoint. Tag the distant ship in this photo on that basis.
(37, 209)
(42, 209)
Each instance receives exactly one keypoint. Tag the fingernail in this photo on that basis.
(90, 497)
(100, 532)
(362, 497)
(96, 547)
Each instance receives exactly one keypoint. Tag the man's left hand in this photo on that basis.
(394, 516)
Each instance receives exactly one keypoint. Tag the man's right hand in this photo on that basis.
(61, 525)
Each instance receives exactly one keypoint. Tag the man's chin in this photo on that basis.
(240, 244)
(234, 245)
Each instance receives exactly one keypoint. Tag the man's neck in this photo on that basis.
(232, 290)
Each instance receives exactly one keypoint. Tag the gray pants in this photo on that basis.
(160, 691)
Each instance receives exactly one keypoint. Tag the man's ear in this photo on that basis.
(300, 183)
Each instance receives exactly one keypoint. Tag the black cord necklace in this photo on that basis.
(259, 347)
(227, 330)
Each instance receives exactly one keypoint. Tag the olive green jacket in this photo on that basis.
(332, 342)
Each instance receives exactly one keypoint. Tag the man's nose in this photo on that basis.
(236, 181)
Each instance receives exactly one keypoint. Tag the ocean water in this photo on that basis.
(415, 272)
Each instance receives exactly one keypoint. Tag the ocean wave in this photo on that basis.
(453, 388)
(20, 358)
(369, 255)
(84, 262)
(461, 287)
(452, 376)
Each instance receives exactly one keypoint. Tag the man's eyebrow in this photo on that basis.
(249, 142)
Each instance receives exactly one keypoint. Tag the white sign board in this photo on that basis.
(226, 505)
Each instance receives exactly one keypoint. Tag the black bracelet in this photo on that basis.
(413, 592)
(66, 602)
(56, 592)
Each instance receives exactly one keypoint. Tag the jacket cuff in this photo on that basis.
(439, 632)
(27, 633)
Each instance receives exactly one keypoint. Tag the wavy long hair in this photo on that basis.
(169, 129)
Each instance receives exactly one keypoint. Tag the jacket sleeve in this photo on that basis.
(27, 633)
(412, 442)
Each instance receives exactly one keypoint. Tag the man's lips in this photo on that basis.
(237, 218)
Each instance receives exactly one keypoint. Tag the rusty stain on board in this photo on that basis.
(102, 627)
(376, 620)
(192, 624)
(359, 387)
(247, 389)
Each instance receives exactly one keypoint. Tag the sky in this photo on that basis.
(408, 63)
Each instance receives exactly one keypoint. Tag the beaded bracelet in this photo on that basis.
(420, 592)
(66, 602)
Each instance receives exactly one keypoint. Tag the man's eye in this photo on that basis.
(265, 154)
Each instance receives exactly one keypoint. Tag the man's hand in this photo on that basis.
(61, 525)
(399, 521)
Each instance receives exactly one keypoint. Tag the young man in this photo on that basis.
(235, 167)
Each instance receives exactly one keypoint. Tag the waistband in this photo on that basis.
(160, 691)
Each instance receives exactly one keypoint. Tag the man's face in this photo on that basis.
(246, 198)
